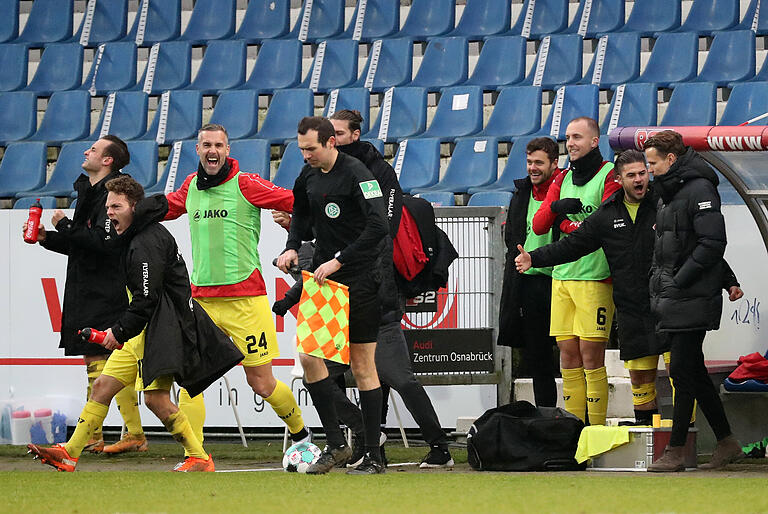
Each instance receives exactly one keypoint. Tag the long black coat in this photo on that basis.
(94, 291)
(180, 340)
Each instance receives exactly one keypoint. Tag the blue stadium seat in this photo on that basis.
(604, 16)
(418, 163)
(753, 17)
(549, 17)
(67, 169)
(210, 19)
(381, 20)
(354, 98)
(378, 144)
(129, 116)
(264, 20)
(14, 62)
(49, 21)
(445, 63)
(9, 23)
(188, 161)
(60, 69)
(474, 163)
(501, 63)
(693, 103)
(162, 22)
(185, 117)
(238, 111)
(67, 118)
(483, 18)
(439, 198)
(285, 111)
(48, 202)
(515, 168)
(172, 70)
(22, 168)
(339, 66)
(651, 16)
(429, 18)
(325, 21)
(490, 199)
(252, 155)
(290, 166)
(394, 65)
(459, 113)
(18, 115)
(278, 66)
(222, 67)
(747, 101)
(620, 61)
(109, 23)
(143, 165)
(578, 101)
(605, 148)
(563, 63)
(709, 16)
(674, 58)
(517, 112)
(115, 71)
(408, 115)
(637, 107)
(731, 58)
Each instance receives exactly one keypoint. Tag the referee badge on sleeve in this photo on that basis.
(371, 189)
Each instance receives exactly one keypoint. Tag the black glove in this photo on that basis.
(280, 307)
(566, 206)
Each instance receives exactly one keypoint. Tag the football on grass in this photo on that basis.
(300, 456)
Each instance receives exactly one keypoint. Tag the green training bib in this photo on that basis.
(533, 240)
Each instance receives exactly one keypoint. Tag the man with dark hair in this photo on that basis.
(94, 292)
(524, 313)
(162, 335)
(337, 200)
(582, 309)
(685, 288)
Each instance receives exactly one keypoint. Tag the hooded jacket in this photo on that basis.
(180, 338)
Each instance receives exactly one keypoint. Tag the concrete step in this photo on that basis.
(619, 395)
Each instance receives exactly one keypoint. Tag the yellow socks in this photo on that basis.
(91, 418)
(178, 426)
(128, 404)
(643, 393)
(597, 395)
(194, 409)
(94, 369)
(575, 392)
(285, 406)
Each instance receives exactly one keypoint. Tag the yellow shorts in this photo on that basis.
(248, 321)
(582, 308)
(125, 366)
(643, 363)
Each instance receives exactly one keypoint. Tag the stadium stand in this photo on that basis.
(178, 116)
(285, 111)
(616, 61)
(692, 103)
(318, 20)
(126, 118)
(482, 18)
(459, 113)
(49, 21)
(18, 116)
(113, 69)
(755, 19)
(60, 69)
(747, 101)
(290, 166)
(632, 105)
(22, 168)
(67, 118)
(377, 143)
(439, 198)
(652, 16)
(354, 98)
(558, 62)
(222, 67)
(429, 18)
(143, 165)
(65, 172)
(393, 65)
(674, 58)
(168, 67)
(708, 16)
(9, 23)
(474, 163)
(731, 58)
(278, 66)
(417, 163)
(103, 21)
(403, 114)
(539, 18)
(210, 20)
(238, 111)
(156, 21)
(381, 19)
(490, 199)
(501, 63)
(48, 202)
(517, 112)
(445, 63)
(601, 17)
(182, 166)
(252, 155)
(334, 66)
(575, 101)
(514, 169)
(14, 61)
(265, 20)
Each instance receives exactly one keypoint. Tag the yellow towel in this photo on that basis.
(598, 439)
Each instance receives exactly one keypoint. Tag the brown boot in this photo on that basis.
(727, 450)
(673, 460)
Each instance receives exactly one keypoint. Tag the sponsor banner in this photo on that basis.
(451, 350)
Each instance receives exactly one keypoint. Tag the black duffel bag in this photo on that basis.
(521, 437)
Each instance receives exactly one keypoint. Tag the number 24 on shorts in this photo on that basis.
(253, 344)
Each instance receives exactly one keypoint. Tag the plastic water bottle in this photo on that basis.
(21, 422)
(33, 223)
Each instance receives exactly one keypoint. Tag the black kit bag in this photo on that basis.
(521, 437)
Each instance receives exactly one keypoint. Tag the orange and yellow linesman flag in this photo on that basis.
(322, 324)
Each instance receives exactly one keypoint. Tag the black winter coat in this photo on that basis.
(94, 291)
(180, 338)
(690, 242)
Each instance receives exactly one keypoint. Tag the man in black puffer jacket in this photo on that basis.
(686, 278)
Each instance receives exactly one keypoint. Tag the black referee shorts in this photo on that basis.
(364, 303)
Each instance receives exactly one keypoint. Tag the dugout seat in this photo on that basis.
(60, 69)
(760, 76)
(501, 63)
(581, 100)
(618, 63)
(753, 17)
(128, 118)
(603, 16)
(429, 18)
(439, 198)
(709, 16)
(445, 63)
(162, 22)
(636, 109)
(326, 20)
(112, 69)
(265, 20)
(605, 148)
(474, 162)
(517, 112)
(482, 18)
(337, 68)
(394, 65)
(222, 67)
(18, 116)
(290, 166)
(561, 62)
(693, 103)
(287, 108)
(674, 58)
(490, 199)
(278, 66)
(49, 21)
(252, 155)
(14, 62)
(459, 113)
(652, 16)
(238, 111)
(747, 101)
(187, 164)
(417, 163)
(171, 70)
(731, 58)
(354, 98)
(515, 168)
(66, 170)
(547, 17)
(378, 144)
(185, 117)
(48, 202)
(381, 20)
(67, 118)
(143, 165)
(9, 23)
(109, 23)
(22, 168)
(210, 19)
(407, 115)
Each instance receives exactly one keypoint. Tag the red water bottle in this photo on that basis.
(94, 336)
(33, 223)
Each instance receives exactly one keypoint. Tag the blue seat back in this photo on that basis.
(185, 116)
(22, 168)
(60, 68)
(9, 23)
(604, 16)
(620, 61)
(278, 66)
(339, 66)
(516, 166)
(394, 66)
(753, 18)
(49, 21)
(18, 115)
(483, 18)
(143, 165)
(173, 68)
(517, 112)
(378, 144)
(429, 18)
(747, 101)
(353, 98)
(287, 108)
(459, 113)
(67, 169)
(439, 198)
(290, 166)
(252, 155)
(417, 162)
(651, 16)
(109, 23)
(549, 17)
(67, 118)
(14, 62)
(326, 21)
(445, 63)
(501, 62)
(490, 199)
(188, 161)
(707, 16)
(563, 63)
(48, 202)
(265, 19)
(238, 112)
(163, 22)
(222, 67)
(731, 58)
(577, 101)
(381, 19)
(605, 148)
(474, 162)
(674, 58)
(408, 115)
(115, 71)
(692, 104)
(129, 116)
(637, 107)
(211, 19)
